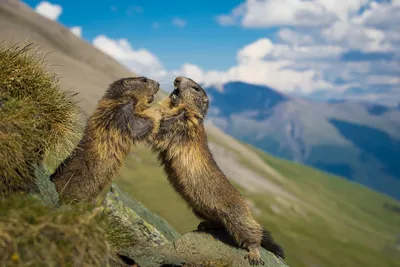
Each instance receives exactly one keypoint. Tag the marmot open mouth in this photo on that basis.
(151, 99)
(174, 95)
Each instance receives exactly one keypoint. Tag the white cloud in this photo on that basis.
(48, 10)
(295, 38)
(311, 13)
(192, 71)
(359, 37)
(140, 61)
(256, 50)
(383, 79)
(178, 22)
(77, 30)
(225, 20)
(321, 21)
(265, 49)
(261, 63)
(233, 17)
(382, 16)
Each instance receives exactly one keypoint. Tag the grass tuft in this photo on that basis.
(36, 117)
(32, 234)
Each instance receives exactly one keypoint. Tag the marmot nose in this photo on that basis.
(178, 80)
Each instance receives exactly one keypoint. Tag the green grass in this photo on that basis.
(333, 223)
(33, 234)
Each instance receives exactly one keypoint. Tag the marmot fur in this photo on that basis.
(192, 171)
(120, 119)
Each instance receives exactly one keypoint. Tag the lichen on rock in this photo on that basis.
(158, 244)
(129, 223)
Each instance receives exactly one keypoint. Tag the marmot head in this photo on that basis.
(140, 89)
(190, 94)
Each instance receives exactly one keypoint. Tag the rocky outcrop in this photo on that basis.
(155, 243)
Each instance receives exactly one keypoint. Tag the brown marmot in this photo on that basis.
(192, 171)
(121, 118)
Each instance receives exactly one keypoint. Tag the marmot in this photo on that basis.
(120, 119)
(192, 171)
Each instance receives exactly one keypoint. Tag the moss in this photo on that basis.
(116, 232)
(36, 235)
(36, 117)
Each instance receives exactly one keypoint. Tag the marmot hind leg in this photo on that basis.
(248, 234)
(207, 223)
(254, 256)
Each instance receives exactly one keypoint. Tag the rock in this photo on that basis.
(155, 243)
(198, 249)
(47, 191)
(129, 223)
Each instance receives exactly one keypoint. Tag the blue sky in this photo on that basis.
(201, 40)
(314, 48)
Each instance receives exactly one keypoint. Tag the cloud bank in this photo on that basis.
(321, 48)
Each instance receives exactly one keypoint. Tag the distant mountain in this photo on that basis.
(246, 98)
(359, 141)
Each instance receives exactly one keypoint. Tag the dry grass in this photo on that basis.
(36, 117)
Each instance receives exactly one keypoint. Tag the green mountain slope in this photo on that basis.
(319, 219)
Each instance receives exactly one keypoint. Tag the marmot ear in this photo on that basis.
(205, 99)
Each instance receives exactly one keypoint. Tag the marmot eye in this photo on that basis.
(196, 88)
(143, 79)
